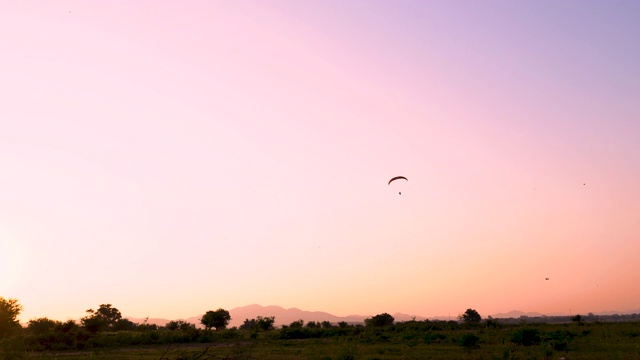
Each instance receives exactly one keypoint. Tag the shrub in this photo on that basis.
(559, 340)
(469, 342)
(434, 338)
(526, 337)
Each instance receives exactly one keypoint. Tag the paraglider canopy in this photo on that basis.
(397, 178)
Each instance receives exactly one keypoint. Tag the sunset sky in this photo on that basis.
(174, 157)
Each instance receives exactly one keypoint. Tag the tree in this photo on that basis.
(297, 324)
(102, 319)
(68, 326)
(379, 320)
(123, 325)
(577, 319)
(259, 323)
(41, 326)
(265, 323)
(249, 324)
(9, 311)
(218, 319)
(469, 342)
(179, 325)
(312, 325)
(471, 317)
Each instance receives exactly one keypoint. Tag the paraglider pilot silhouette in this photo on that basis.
(397, 178)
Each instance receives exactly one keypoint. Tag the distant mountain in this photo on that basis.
(613, 312)
(157, 321)
(282, 316)
(515, 314)
(287, 316)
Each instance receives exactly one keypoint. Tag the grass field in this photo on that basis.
(524, 341)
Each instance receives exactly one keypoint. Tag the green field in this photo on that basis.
(408, 340)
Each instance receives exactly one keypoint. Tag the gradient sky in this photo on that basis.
(171, 158)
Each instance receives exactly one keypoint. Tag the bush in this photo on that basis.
(434, 338)
(347, 353)
(559, 340)
(231, 334)
(379, 320)
(526, 337)
(12, 348)
(469, 342)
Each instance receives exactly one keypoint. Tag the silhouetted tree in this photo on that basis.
(179, 325)
(41, 326)
(471, 317)
(9, 311)
(577, 319)
(67, 326)
(469, 342)
(124, 324)
(265, 323)
(379, 320)
(313, 324)
(102, 319)
(218, 319)
(526, 337)
(249, 324)
(297, 324)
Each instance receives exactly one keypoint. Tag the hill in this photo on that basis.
(287, 316)
(282, 316)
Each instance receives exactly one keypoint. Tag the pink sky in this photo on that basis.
(171, 158)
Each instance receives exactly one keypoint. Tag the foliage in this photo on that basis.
(469, 341)
(259, 323)
(249, 324)
(381, 339)
(297, 324)
(179, 325)
(403, 340)
(379, 320)
(61, 336)
(123, 325)
(265, 323)
(526, 337)
(558, 339)
(492, 323)
(9, 311)
(471, 317)
(348, 352)
(434, 338)
(312, 324)
(41, 326)
(218, 319)
(105, 318)
(12, 348)
(577, 319)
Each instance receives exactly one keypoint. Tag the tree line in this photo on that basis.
(106, 327)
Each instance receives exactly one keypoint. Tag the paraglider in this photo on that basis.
(397, 178)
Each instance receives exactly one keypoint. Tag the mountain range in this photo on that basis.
(282, 316)
(287, 316)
